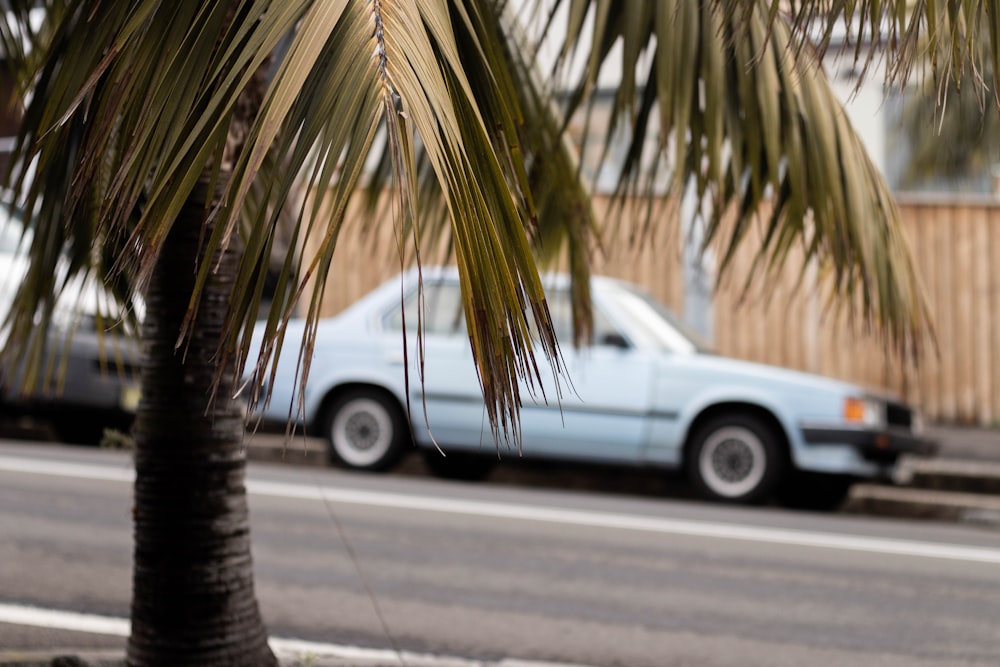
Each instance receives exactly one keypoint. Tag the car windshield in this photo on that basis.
(658, 323)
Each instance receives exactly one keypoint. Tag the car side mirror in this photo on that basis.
(614, 340)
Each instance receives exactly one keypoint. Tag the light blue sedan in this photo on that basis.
(645, 393)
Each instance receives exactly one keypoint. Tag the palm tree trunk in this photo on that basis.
(193, 600)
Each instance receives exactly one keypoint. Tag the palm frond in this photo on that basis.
(134, 121)
(543, 165)
(732, 100)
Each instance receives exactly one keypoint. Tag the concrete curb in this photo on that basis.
(919, 503)
(286, 658)
(961, 476)
(62, 658)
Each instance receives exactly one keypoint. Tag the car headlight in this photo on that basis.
(868, 412)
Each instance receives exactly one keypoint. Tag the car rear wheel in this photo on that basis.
(365, 430)
(735, 458)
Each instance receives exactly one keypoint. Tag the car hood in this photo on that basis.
(772, 375)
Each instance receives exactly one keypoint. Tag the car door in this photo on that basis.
(601, 413)
(446, 404)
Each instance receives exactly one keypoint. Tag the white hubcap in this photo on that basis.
(732, 461)
(361, 432)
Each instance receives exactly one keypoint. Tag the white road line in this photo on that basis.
(720, 530)
(518, 512)
(66, 469)
(54, 619)
(63, 620)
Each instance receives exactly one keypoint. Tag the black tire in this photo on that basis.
(88, 432)
(735, 458)
(365, 430)
(460, 466)
(87, 428)
(814, 491)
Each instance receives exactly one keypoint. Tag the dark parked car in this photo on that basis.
(90, 379)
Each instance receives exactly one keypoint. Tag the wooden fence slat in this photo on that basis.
(994, 310)
(930, 372)
(910, 386)
(963, 277)
(983, 321)
(945, 304)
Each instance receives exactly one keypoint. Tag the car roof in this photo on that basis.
(550, 279)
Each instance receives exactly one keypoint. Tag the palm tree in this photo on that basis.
(190, 502)
(136, 177)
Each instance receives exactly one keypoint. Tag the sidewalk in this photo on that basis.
(966, 442)
(961, 484)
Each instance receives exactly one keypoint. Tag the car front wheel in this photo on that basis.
(735, 458)
(365, 430)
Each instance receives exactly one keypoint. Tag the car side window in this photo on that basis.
(561, 310)
(12, 238)
(443, 314)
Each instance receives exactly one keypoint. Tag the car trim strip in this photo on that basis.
(669, 415)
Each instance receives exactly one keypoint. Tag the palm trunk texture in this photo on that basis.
(193, 599)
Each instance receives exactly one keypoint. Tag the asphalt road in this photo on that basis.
(488, 572)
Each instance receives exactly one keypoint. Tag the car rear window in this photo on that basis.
(442, 314)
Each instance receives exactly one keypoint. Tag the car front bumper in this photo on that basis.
(877, 445)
